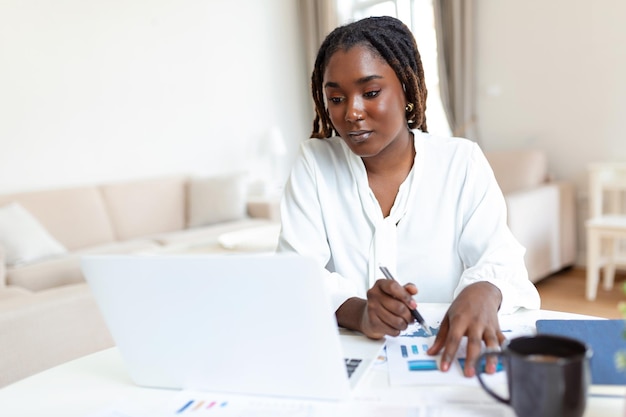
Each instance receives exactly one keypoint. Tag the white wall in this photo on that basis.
(557, 70)
(106, 90)
(94, 91)
(551, 75)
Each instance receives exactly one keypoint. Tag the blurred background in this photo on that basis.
(94, 91)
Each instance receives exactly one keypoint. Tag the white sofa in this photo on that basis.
(47, 313)
(541, 210)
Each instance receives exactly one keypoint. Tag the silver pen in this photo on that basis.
(416, 314)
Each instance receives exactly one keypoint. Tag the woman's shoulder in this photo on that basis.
(445, 151)
(326, 143)
(323, 154)
(447, 144)
(323, 148)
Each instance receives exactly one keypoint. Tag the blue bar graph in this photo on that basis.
(422, 365)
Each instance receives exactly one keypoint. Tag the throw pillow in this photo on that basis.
(216, 199)
(24, 239)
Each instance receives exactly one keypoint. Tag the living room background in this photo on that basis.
(100, 91)
(115, 90)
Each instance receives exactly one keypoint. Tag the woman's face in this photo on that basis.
(365, 100)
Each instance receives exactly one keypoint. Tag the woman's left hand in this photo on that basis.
(474, 313)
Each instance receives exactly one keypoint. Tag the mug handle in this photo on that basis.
(483, 356)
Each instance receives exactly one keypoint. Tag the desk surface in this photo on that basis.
(95, 382)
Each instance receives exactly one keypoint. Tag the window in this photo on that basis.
(419, 16)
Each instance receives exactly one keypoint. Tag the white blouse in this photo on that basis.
(447, 227)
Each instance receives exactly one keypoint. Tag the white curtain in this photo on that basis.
(454, 23)
(318, 18)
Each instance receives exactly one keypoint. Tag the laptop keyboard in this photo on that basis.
(351, 365)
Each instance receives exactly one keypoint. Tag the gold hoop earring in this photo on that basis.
(409, 107)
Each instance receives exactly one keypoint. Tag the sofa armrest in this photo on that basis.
(264, 208)
(66, 320)
(543, 219)
(534, 220)
(568, 204)
(3, 268)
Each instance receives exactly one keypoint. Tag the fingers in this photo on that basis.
(389, 315)
(388, 306)
(394, 297)
(473, 350)
(475, 338)
(451, 345)
(440, 339)
(477, 321)
(493, 341)
(478, 333)
(411, 289)
(401, 293)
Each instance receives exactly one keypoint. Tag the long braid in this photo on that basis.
(394, 42)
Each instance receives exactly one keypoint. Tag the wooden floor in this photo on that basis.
(565, 291)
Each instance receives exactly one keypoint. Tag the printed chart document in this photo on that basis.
(374, 401)
(409, 364)
(199, 404)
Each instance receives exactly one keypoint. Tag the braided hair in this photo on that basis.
(387, 37)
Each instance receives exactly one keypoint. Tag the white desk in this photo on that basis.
(92, 383)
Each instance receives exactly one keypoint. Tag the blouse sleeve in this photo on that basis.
(303, 231)
(487, 247)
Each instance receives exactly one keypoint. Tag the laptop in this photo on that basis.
(245, 324)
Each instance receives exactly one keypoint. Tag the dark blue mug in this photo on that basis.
(547, 375)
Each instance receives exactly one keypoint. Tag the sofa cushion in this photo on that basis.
(76, 217)
(204, 235)
(257, 239)
(141, 208)
(48, 328)
(3, 268)
(46, 274)
(519, 169)
(128, 246)
(66, 270)
(24, 239)
(216, 199)
(11, 292)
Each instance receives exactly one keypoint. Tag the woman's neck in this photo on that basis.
(395, 161)
(386, 172)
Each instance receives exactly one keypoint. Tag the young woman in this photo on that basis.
(373, 188)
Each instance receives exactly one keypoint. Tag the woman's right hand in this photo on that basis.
(386, 311)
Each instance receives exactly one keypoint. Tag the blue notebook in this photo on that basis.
(606, 338)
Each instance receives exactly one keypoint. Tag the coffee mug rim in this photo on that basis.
(588, 353)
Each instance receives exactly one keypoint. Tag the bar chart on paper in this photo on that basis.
(416, 357)
(407, 358)
(203, 404)
(415, 331)
(196, 406)
(410, 364)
